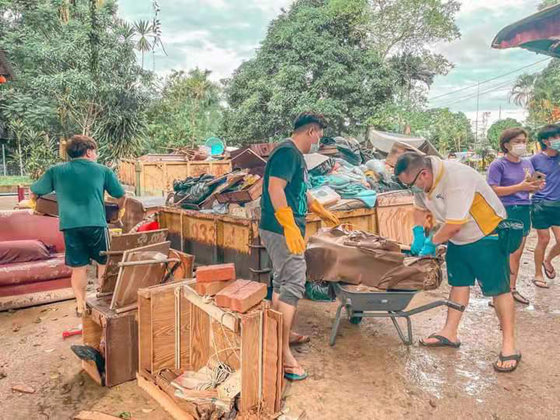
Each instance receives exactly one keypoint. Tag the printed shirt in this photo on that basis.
(461, 196)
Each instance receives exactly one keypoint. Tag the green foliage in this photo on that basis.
(313, 58)
(187, 112)
(77, 73)
(496, 130)
(547, 3)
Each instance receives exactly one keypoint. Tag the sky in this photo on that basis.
(219, 35)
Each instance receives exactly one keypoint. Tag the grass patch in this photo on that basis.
(15, 180)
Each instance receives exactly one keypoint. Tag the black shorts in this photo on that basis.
(85, 244)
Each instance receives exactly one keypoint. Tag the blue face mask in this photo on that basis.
(416, 190)
(555, 145)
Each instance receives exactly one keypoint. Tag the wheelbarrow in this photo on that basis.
(381, 304)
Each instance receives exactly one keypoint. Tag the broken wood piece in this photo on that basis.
(251, 362)
(210, 289)
(167, 402)
(94, 415)
(242, 295)
(219, 272)
(127, 308)
(26, 389)
(228, 320)
(149, 262)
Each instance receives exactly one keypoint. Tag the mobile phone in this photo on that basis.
(538, 176)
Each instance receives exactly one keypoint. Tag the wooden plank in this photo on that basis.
(277, 316)
(144, 333)
(123, 243)
(130, 279)
(226, 345)
(199, 338)
(163, 330)
(185, 270)
(94, 415)
(184, 331)
(251, 346)
(90, 368)
(270, 362)
(163, 399)
(91, 331)
(121, 354)
(229, 320)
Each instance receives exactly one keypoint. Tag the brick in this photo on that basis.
(210, 289)
(212, 273)
(241, 296)
(223, 298)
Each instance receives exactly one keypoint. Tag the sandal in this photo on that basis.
(519, 297)
(501, 358)
(541, 283)
(296, 339)
(551, 274)
(289, 373)
(78, 313)
(442, 342)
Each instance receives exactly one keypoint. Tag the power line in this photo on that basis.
(490, 80)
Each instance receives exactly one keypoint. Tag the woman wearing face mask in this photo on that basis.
(510, 178)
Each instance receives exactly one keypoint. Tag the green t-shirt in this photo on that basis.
(287, 163)
(80, 186)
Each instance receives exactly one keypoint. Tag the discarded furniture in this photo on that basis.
(180, 331)
(32, 283)
(394, 216)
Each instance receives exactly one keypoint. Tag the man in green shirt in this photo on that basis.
(285, 202)
(80, 185)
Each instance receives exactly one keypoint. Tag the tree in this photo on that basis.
(314, 57)
(547, 3)
(143, 30)
(76, 74)
(522, 91)
(496, 130)
(186, 112)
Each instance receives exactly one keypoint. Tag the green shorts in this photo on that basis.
(85, 244)
(523, 214)
(545, 214)
(484, 261)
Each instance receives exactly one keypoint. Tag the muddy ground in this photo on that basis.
(368, 374)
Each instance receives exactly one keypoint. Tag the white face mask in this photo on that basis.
(518, 149)
(555, 145)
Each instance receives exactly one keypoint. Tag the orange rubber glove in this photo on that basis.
(294, 240)
(329, 217)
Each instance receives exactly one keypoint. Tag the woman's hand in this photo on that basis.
(531, 186)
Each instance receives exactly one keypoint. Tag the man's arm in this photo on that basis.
(42, 186)
(446, 232)
(276, 191)
(113, 186)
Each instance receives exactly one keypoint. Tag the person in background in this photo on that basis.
(546, 203)
(285, 203)
(511, 178)
(469, 213)
(80, 185)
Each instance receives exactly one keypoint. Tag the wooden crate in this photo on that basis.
(394, 216)
(118, 334)
(179, 331)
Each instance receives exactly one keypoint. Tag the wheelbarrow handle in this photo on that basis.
(455, 306)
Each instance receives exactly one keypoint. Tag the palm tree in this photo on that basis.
(143, 29)
(522, 91)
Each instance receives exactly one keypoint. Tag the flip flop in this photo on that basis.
(541, 283)
(501, 358)
(442, 342)
(551, 274)
(519, 297)
(296, 339)
(292, 376)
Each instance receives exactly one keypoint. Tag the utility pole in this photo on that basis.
(476, 122)
(500, 114)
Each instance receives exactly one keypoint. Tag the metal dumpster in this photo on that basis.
(215, 239)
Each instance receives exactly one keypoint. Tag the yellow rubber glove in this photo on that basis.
(329, 217)
(294, 239)
(122, 213)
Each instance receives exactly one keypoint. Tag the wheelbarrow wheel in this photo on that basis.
(356, 320)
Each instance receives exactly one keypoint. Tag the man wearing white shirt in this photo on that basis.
(469, 212)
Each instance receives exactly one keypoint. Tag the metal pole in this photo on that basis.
(4, 158)
(476, 122)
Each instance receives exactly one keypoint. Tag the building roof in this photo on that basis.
(539, 33)
(383, 142)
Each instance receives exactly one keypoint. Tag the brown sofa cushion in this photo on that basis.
(23, 251)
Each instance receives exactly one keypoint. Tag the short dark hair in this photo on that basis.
(509, 134)
(547, 132)
(411, 161)
(78, 146)
(307, 118)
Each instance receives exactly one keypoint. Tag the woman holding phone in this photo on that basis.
(513, 179)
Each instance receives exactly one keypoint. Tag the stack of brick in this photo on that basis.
(241, 296)
(213, 278)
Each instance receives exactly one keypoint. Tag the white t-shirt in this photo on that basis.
(460, 195)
